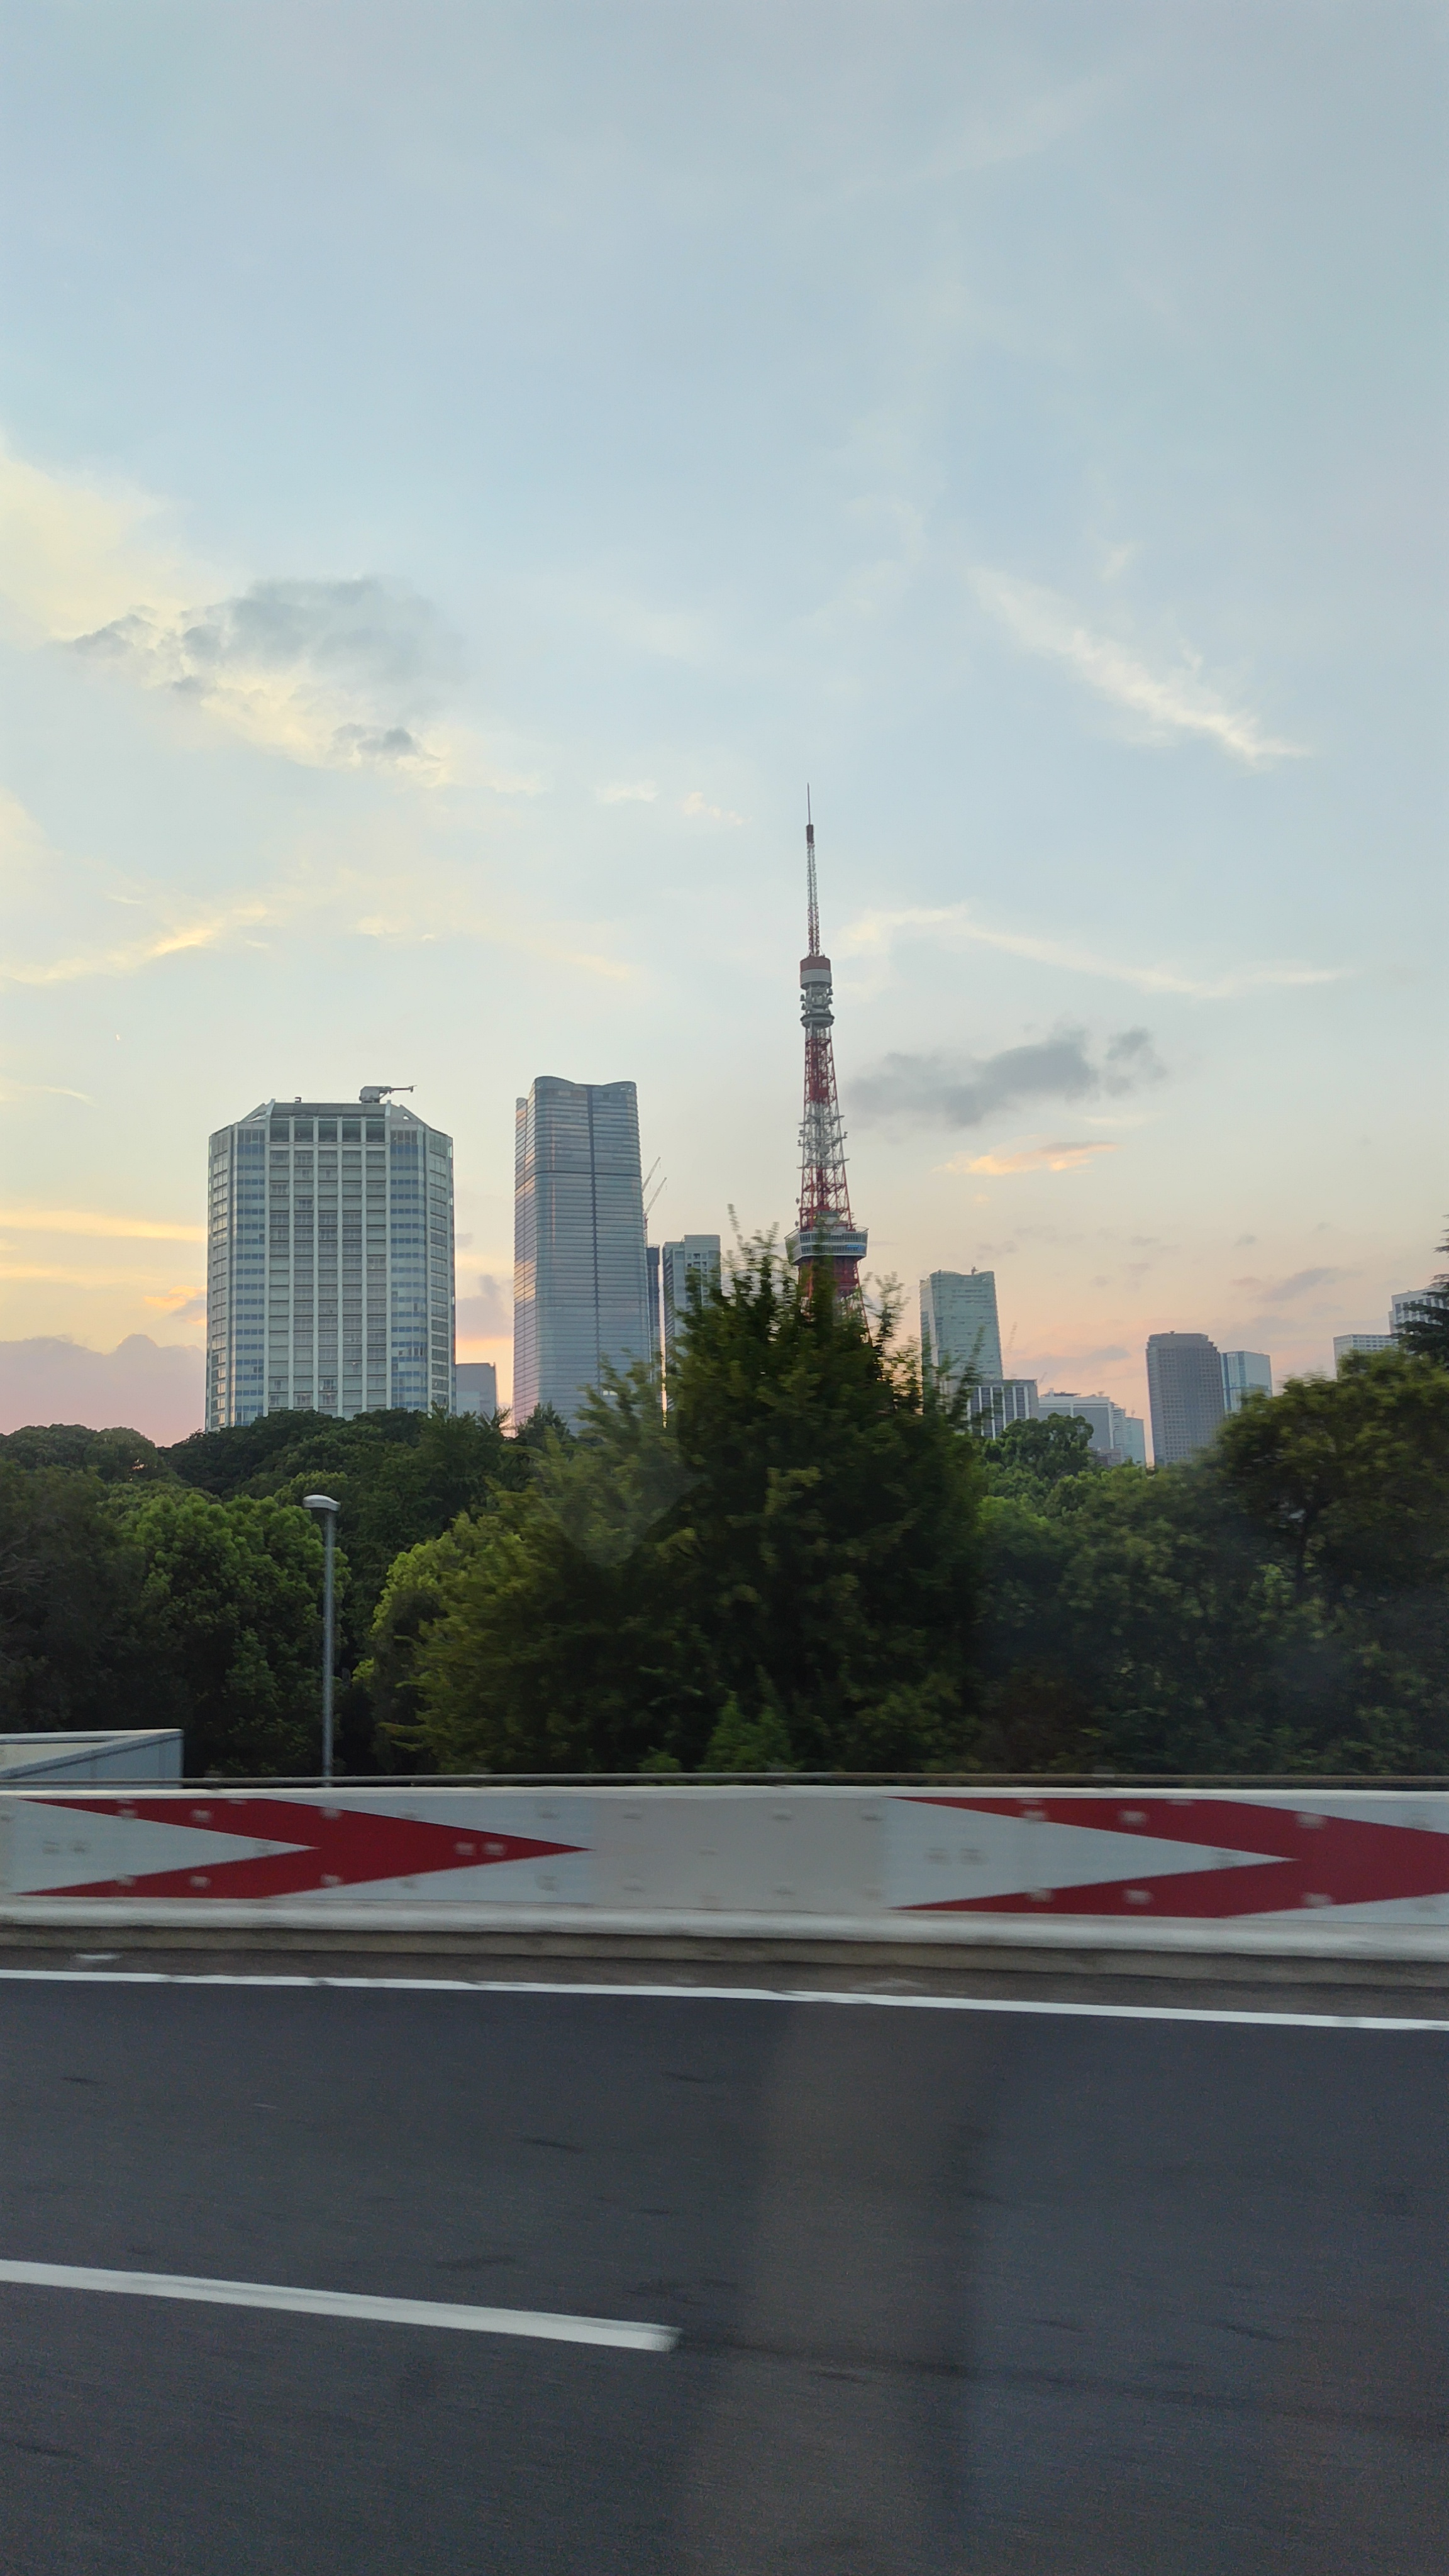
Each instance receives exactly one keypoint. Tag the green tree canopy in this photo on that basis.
(230, 1600)
(789, 1559)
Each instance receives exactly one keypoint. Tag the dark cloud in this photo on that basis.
(331, 671)
(962, 1091)
(370, 634)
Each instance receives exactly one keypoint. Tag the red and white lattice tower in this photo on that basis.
(827, 1230)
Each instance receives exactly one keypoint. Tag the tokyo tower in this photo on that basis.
(827, 1230)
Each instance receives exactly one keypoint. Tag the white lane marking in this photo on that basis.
(736, 1995)
(621, 2334)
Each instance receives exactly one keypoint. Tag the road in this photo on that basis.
(1003, 2293)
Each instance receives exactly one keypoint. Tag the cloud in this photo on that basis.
(10, 1092)
(1029, 1158)
(131, 1229)
(875, 933)
(1162, 705)
(148, 1386)
(624, 791)
(961, 1091)
(183, 1305)
(212, 927)
(73, 555)
(694, 804)
(1301, 1284)
(488, 1314)
(335, 674)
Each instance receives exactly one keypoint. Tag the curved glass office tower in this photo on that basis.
(580, 1276)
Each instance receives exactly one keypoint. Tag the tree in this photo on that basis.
(1424, 1332)
(786, 1565)
(831, 1520)
(1349, 1476)
(115, 1456)
(74, 1648)
(231, 1601)
(1029, 1458)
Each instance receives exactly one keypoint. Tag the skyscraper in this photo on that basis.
(959, 1322)
(477, 1389)
(329, 1266)
(1185, 1394)
(1245, 1373)
(688, 1270)
(580, 1270)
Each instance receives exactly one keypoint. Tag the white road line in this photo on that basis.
(622, 2335)
(739, 1995)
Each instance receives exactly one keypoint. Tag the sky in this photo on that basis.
(463, 471)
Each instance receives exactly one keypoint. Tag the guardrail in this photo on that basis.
(1304, 1870)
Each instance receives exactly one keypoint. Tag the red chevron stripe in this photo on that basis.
(1312, 1859)
(336, 1847)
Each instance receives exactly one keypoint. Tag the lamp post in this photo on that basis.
(329, 1510)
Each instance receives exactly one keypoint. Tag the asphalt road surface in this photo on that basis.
(955, 2290)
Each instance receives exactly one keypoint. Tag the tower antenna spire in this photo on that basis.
(827, 1241)
(812, 898)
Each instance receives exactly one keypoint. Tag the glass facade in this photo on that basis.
(688, 1271)
(329, 1262)
(1184, 1394)
(959, 1324)
(580, 1272)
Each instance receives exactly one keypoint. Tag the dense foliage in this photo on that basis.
(1282, 1604)
(783, 1572)
(812, 1561)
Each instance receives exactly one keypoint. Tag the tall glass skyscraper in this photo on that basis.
(329, 1266)
(580, 1273)
(1185, 1395)
(959, 1322)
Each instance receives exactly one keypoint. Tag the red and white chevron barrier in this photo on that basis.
(1312, 1867)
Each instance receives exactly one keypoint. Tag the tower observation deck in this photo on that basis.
(827, 1231)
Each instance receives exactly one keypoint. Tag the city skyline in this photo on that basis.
(1064, 508)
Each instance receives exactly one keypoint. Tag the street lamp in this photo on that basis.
(329, 1510)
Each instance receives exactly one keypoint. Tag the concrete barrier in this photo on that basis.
(1342, 1872)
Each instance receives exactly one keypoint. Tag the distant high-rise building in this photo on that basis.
(1245, 1373)
(1343, 1343)
(651, 1257)
(688, 1270)
(477, 1385)
(993, 1406)
(1118, 1438)
(580, 1262)
(1406, 1302)
(329, 1261)
(959, 1325)
(1184, 1393)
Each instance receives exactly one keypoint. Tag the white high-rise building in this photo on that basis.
(1404, 1303)
(329, 1261)
(1245, 1373)
(995, 1404)
(688, 1270)
(580, 1263)
(959, 1325)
